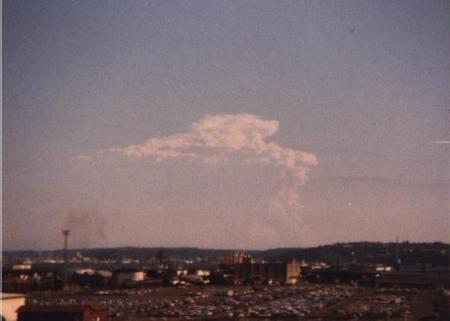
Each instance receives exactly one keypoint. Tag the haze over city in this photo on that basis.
(225, 124)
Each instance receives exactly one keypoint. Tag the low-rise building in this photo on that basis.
(11, 302)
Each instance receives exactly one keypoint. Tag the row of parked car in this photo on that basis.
(214, 302)
(305, 304)
(379, 305)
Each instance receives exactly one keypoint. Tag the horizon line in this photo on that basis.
(223, 249)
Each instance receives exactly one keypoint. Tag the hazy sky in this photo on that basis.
(244, 124)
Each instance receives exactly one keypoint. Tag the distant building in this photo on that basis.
(22, 280)
(442, 305)
(260, 273)
(235, 258)
(10, 304)
(198, 276)
(203, 272)
(383, 268)
(181, 272)
(90, 277)
(21, 267)
(84, 312)
(332, 275)
(123, 277)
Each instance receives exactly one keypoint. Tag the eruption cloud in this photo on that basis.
(234, 140)
(214, 138)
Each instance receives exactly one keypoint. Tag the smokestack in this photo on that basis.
(66, 236)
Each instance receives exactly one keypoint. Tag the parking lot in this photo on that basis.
(219, 302)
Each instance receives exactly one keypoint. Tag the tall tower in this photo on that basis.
(397, 255)
(66, 237)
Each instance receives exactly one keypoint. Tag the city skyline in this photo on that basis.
(225, 124)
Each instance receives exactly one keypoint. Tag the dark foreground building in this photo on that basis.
(30, 279)
(63, 313)
(418, 279)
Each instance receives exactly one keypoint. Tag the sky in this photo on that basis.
(224, 124)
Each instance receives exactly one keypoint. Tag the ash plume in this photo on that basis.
(240, 141)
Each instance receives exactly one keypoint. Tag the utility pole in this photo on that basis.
(397, 255)
(66, 236)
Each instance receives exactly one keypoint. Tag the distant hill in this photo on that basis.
(435, 254)
(367, 252)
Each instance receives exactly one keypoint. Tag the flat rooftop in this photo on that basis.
(6, 296)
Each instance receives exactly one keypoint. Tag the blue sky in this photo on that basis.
(363, 86)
